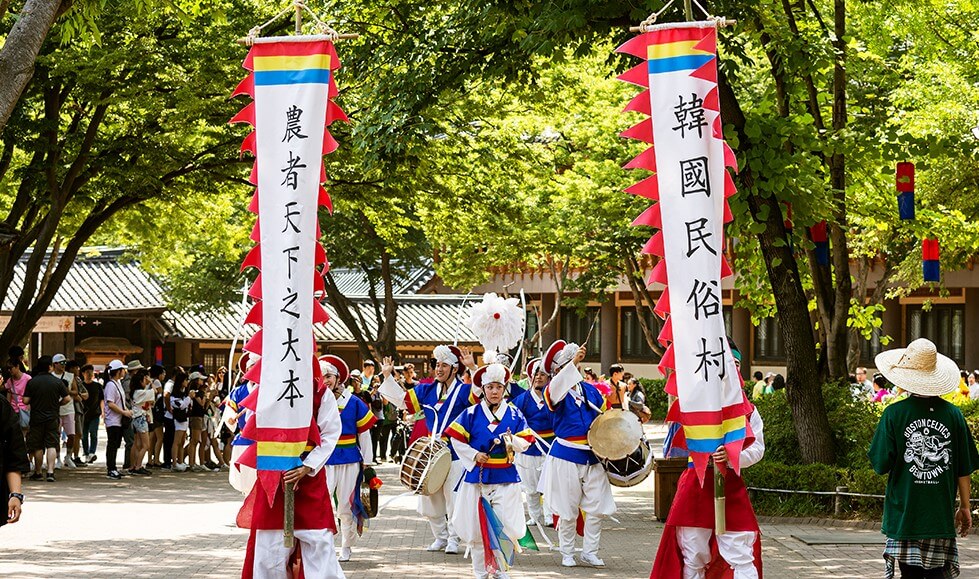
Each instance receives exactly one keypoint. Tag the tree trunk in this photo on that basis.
(803, 385)
(837, 335)
(20, 50)
(344, 309)
(387, 335)
(644, 302)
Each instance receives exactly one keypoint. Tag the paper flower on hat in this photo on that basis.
(497, 322)
(445, 354)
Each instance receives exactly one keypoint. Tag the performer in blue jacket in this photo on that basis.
(573, 479)
(442, 400)
(540, 419)
(353, 451)
(485, 436)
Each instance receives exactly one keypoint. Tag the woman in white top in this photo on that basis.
(142, 400)
(180, 408)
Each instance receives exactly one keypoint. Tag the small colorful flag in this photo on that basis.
(528, 541)
(821, 239)
(905, 190)
(498, 548)
(930, 268)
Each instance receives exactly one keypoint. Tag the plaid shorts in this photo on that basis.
(926, 553)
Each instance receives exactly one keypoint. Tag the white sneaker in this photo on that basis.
(452, 547)
(57, 463)
(69, 463)
(592, 559)
(438, 545)
(344, 554)
(180, 467)
(568, 561)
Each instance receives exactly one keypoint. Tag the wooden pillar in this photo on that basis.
(547, 307)
(609, 332)
(892, 323)
(741, 334)
(971, 324)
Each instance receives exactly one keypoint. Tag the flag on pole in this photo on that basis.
(292, 86)
(821, 239)
(689, 189)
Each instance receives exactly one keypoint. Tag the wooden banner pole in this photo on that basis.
(289, 524)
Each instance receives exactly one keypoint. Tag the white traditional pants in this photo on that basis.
(736, 547)
(506, 503)
(341, 481)
(529, 468)
(569, 486)
(438, 508)
(319, 558)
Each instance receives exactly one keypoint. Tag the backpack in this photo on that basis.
(158, 410)
(179, 414)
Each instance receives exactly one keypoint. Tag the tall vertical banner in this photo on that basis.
(292, 86)
(688, 191)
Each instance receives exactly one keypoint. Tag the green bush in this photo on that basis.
(852, 422)
(809, 477)
(655, 397)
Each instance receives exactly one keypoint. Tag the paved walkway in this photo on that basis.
(181, 525)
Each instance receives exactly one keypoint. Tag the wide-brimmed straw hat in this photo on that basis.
(919, 369)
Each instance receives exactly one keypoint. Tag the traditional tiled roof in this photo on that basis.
(102, 280)
(99, 281)
(427, 319)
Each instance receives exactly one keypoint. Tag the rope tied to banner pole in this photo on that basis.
(647, 24)
(296, 7)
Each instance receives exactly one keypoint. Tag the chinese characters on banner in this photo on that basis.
(689, 189)
(292, 85)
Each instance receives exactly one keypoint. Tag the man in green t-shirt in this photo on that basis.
(924, 446)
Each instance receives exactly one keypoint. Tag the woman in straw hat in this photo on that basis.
(924, 446)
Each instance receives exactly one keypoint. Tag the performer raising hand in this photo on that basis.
(442, 400)
(573, 479)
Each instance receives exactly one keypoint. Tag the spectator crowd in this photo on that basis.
(158, 419)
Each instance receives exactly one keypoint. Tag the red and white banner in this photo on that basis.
(689, 190)
(292, 84)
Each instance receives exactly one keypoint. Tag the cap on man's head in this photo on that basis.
(115, 365)
(59, 359)
(355, 372)
(195, 376)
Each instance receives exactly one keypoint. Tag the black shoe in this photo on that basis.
(114, 475)
(50, 477)
(37, 476)
(79, 462)
(142, 471)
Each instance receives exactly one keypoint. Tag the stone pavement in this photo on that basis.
(181, 525)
